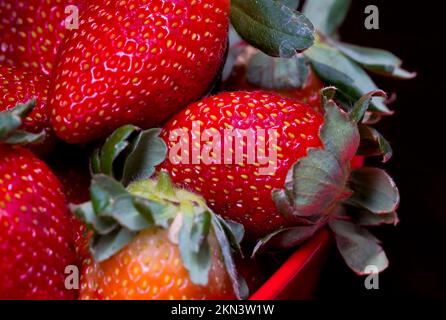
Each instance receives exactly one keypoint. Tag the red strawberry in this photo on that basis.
(31, 32)
(313, 184)
(19, 86)
(236, 191)
(36, 239)
(136, 62)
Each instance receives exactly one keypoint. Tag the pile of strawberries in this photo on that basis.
(135, 80)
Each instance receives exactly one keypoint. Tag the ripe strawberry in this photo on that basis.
(31, 32)
(172, 247)
(36, 240)
(236, 191)
(136, 62)
(313, 184)
(20, 86)
(302, 183)
(309, 93)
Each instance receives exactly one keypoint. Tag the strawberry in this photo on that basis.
(304, 181)
(20, 86)
(153, 241)
(311, 184)
(31, 32)
(236, 191)
(136, 62)
(36, 240)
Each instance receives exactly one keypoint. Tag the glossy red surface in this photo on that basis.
(135, 63)
(236, 189)
(297, 278)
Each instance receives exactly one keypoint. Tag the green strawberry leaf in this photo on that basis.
(374, 190)
(106, 246)
(25, 138)
(110, 199)
(200, 229)
(103, 189)
(234, 232)
(12, 119)
(95, 162)
(362, 105)
(337, 70)
(86, 213)
(376, 60)
(339, 135)
(227, 247)
(373, 144)
(115, 144)
(326, 15)
(285, 239)
(195, 251)
(359, 248)
(369, 219)
(277, 73)
(319, 182)
(165, 184)
(272, 27)
(147, 151)
(293, 4)
(283, 199)
(139, 152)
(155, 213)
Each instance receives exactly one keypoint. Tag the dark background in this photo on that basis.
(415, 31)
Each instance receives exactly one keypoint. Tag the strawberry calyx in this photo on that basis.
(117, 214)
(321, 189)
(10, 122)
(336, 63)
(129, 154)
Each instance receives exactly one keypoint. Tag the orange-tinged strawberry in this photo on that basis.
(150, 268)
(157, 242)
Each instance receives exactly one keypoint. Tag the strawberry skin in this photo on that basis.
(150, 268)
(31, 32)
(238, 191)
(136, 62)
(36, 242)
(20, 86)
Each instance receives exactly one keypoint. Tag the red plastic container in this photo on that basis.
(297, 278)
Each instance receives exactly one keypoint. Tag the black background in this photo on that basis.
(415, 31)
